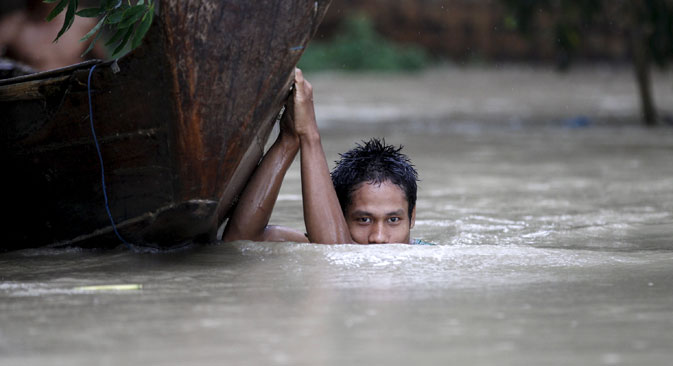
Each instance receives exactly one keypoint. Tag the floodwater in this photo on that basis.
(554, 233)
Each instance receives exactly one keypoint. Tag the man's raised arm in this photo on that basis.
(325, 222)
(250, 218)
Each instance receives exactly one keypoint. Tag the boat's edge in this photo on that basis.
(200, 221)
(53, 73)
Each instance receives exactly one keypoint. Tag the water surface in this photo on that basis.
(555, 247)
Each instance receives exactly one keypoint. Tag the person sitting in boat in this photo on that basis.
(26, 37)
(369, 198)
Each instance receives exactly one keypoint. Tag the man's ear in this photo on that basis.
(413, 218)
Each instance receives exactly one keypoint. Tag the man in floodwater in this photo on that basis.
(370, 197)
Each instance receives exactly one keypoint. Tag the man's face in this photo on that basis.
(379, 214)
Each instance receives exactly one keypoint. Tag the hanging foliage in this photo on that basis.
(128, 20)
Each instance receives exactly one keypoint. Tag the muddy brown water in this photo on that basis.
(554, 236)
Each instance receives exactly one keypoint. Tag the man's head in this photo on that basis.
(376, 187)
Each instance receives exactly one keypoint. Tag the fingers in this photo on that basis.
(298, 75)
(303, 114)
(303, 89)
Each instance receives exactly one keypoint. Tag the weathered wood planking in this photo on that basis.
(181, 126)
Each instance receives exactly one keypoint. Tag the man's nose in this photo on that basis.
(378, 235)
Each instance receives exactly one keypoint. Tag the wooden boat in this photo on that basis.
(181, 124)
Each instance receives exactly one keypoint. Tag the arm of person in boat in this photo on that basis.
(250, 218)
(325, 222)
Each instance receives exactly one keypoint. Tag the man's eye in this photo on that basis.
(394, 219)
(364, 220)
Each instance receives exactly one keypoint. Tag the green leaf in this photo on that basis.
(69, 18)
(120, 48)
(116, 37)
(57, 10)
(93, 30)
(132, 15)
(143, 28)
(90, 12)
(88, 49)
(49, 1)
(117, 14)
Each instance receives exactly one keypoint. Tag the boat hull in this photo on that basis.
(181, 124)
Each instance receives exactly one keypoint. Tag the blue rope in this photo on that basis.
(100, 158)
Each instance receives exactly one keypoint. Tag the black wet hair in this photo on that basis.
(374, 162)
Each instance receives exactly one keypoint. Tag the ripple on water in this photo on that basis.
(455, 266)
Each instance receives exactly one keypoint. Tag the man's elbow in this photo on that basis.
(234, 233)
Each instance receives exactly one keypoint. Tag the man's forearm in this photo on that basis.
(251, 215)
(323, 217)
